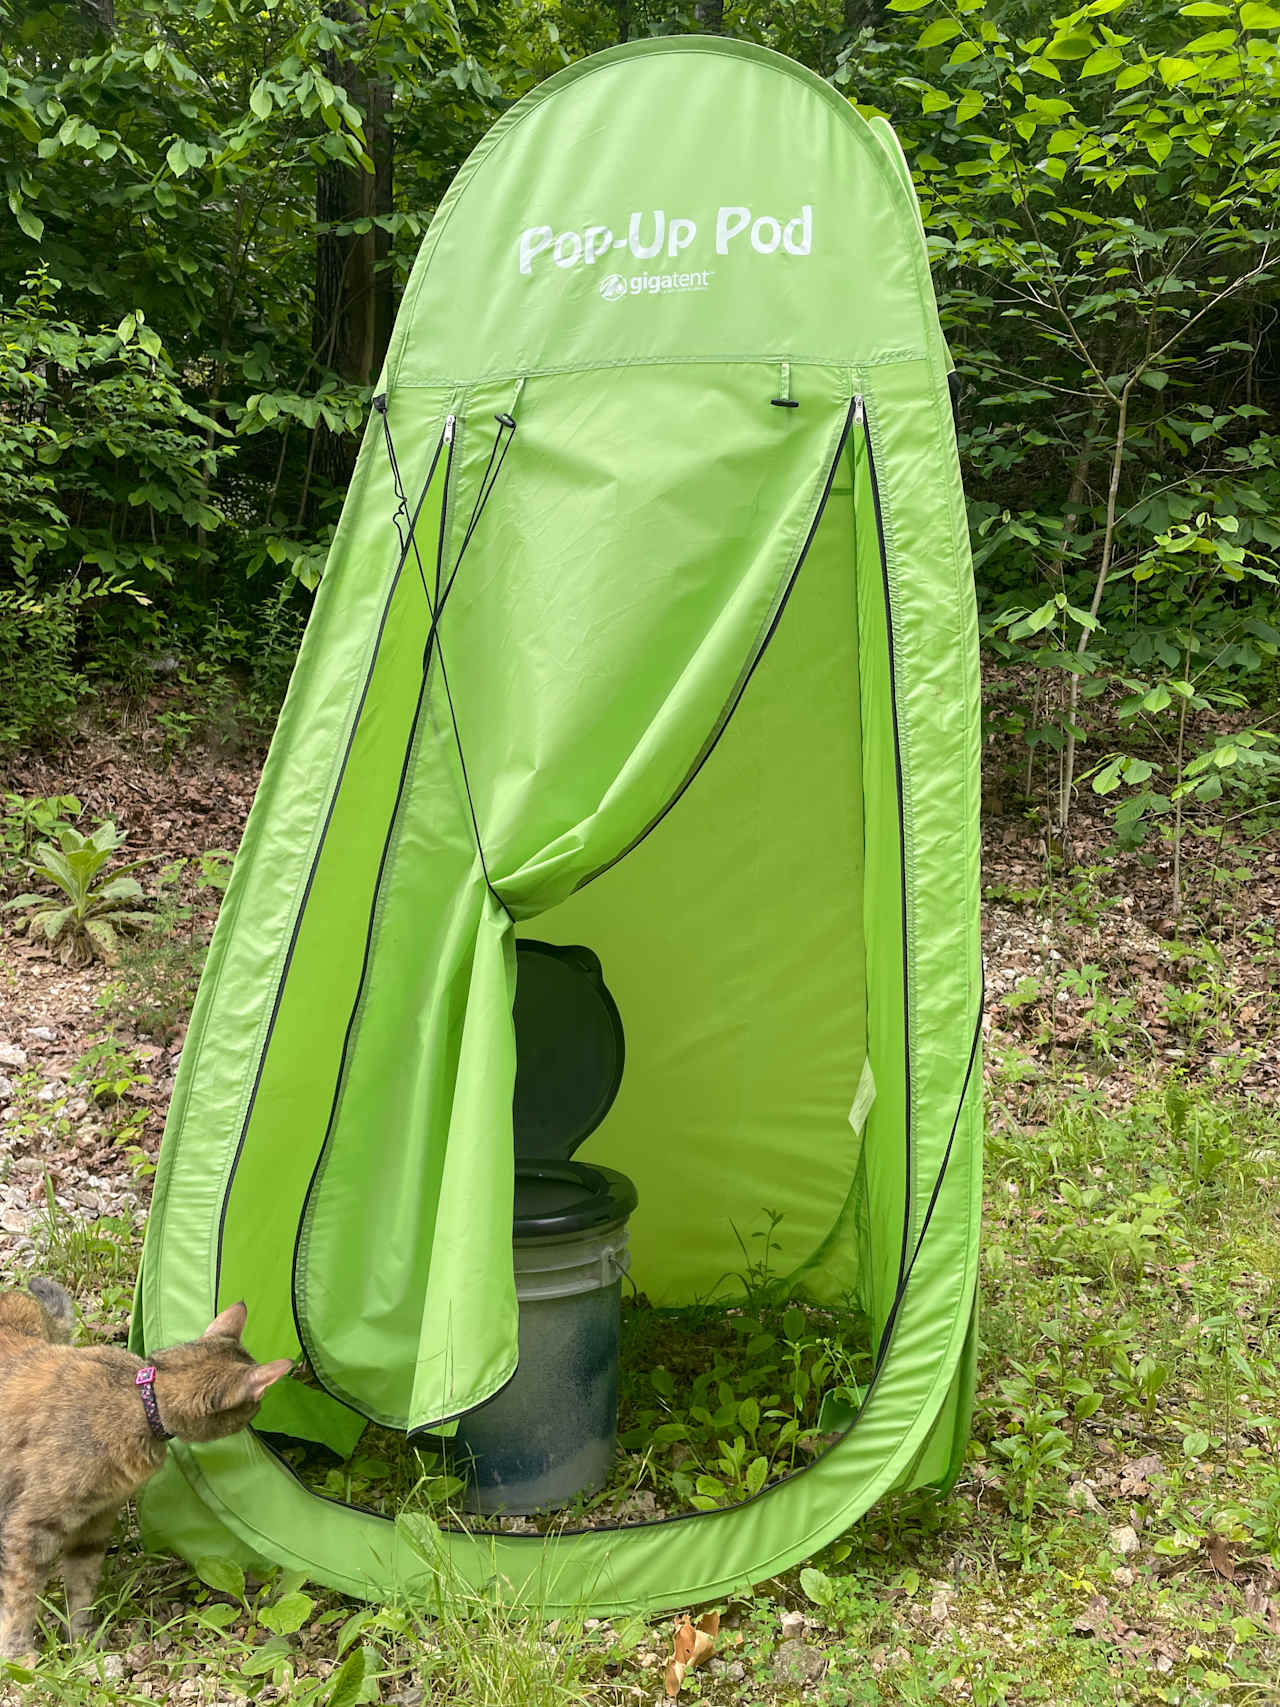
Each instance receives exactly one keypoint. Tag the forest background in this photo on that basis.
(210, 210)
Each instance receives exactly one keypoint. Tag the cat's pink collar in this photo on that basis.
(144, 1381)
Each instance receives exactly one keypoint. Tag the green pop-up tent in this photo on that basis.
(648, 627)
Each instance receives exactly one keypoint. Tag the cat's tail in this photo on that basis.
(55, 1303)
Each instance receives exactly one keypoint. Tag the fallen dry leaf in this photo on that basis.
(1257, 1602)
(1136, 1475)
(693, 1645)
(1097, 1619)
(1124, 1538)
(1218, 1552)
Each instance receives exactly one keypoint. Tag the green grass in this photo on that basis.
(1114, 1537)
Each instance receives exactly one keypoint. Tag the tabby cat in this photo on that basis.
(81, 1429)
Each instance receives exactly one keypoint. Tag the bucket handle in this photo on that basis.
(615, 1260)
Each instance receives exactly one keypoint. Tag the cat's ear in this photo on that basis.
(263, 1375)
(230, 1321)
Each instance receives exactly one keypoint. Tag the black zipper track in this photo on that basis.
(713, 740)
(902, 837)
(315, 866)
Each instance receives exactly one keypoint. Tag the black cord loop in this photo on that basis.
(435, 604)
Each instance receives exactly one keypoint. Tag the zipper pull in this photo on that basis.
(859, 411)
(449, 422)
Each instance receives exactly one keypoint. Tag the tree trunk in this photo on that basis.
(860, 14)
(101, 13)
(353, 306)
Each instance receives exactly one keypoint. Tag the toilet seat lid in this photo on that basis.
(569, 1049)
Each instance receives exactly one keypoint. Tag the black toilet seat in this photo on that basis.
(556, 1199)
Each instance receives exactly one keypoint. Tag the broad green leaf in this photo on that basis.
(176, 158)
(1132, 75)
(969, 104)
(266, 1658)
(353, 1627)
(260, 101)
(31, 223)
(1175, 70)
(943, 29)
(757, 1475)
(53, 924)
(218, 1614)
(1257, 17)
(348, 1682)
(1105, 59)
(1073, 44)
(907, 5)
(288, 1614)
(1204, 9)
(934, 101)
(103, 938)
(221, 1574)
(1156, 378)
(817, 1586)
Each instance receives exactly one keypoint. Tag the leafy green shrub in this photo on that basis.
(40, 684)
(25, 819)
(715, 1404)
(105, 463)
(104, 468)
(721, 1403)
(89, 911)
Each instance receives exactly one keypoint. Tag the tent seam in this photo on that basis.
(734, 358)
